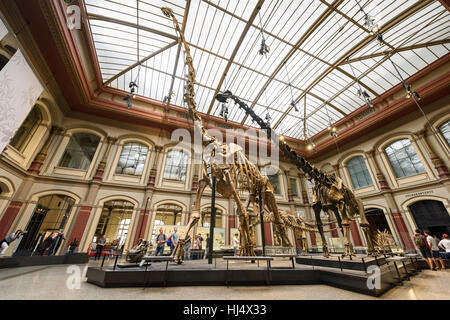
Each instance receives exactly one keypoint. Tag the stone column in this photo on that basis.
(231, 220)
(101, 167)
(153, 171)
(290, 193)
(380, 177)
(15, 206)
(440, 167)
(303, 187)
(35, 167)
(145, 217)
(83, 215)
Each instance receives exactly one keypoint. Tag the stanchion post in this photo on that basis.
(213, 221)
(103, 261)
(261, 215)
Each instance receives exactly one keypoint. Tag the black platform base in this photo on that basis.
(21, 261)
(179, 276)
(356, 263)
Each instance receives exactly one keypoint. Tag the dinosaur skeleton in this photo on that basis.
(291, 220)
(383, 242)
(229, 165)
(329, 192)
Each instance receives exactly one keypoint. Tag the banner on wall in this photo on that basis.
(19, 90)
(3, 30)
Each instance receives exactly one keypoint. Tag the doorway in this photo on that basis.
(377, 221)
(50, 215)
(431, 215)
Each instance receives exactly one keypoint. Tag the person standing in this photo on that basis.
(4, 245)
(207, 245)
(100, 245)
(422, 245)
(47, 244)
(433, 244)
(173, 240)
(73, 245)
(445, 245)
(56, 243)
(160, 243)
(236, 244)
(195, 247)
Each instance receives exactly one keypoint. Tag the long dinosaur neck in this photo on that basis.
(189, 95)
(301, 163)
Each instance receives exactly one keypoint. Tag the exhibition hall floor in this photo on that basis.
(59, 283)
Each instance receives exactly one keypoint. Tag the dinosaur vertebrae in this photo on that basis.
(290, 220)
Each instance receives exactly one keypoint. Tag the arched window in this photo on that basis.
(176, 165)
(132, 159)
(27, 130)
(206, 217)
(114, 222)
(445, 131)
(359, 173)
(403, 159)
(80, 151)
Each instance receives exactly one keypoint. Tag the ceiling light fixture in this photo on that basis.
(369, 21)
(360, 93)
(133, 84)
(264, 50)
(292, 104)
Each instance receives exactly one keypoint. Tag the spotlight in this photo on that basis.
(268, 118)
(294, 105)
(416, 95)
(380, 39)
(224, 112)
(264, 48)
(281, 138)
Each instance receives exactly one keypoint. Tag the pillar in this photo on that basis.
(303, 187)
(440, 167)
(9, 217)
(380, 176)
(156, 163)
(83, 215)
(36, 165)
(101, 167)
(16, 204)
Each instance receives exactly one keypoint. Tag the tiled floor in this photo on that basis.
(60, 282)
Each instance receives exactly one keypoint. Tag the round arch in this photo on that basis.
(95, 218)
(32, 204)
(408, 203)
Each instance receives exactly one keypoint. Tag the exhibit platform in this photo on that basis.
(26, 261)
(358, 262)
(199, 273)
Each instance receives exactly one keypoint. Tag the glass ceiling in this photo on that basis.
(312, 37)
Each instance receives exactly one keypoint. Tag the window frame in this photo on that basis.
(143, 162)
(368, 175)
(416, 154)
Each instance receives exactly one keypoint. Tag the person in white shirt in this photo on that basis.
(433, 244)
(236, 244)
(445, 244)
